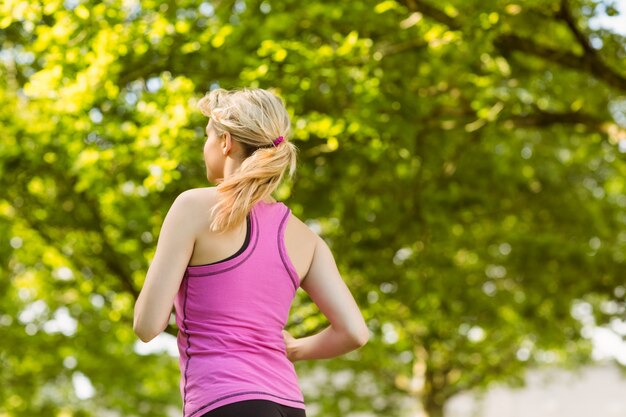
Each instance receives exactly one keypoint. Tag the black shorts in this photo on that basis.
(255, 408)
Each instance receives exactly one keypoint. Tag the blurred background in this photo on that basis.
(464, 160)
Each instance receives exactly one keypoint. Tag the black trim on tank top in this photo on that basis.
(246, 242)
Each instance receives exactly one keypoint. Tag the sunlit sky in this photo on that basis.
(616, 24)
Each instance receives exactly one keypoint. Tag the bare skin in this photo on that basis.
(186, 239)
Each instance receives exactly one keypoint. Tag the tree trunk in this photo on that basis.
(433, 410)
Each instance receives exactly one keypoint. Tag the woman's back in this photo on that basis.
(211, 247)
(231, 314)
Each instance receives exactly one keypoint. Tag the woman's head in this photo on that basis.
(243, 125)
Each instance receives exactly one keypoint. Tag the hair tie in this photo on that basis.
(278, 140)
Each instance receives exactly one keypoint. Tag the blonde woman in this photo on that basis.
(230, 259)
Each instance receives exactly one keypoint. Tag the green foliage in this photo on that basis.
(460, 157)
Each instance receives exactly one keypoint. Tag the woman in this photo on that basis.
(230, 259)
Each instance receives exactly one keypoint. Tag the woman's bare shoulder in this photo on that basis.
(299, 228)
(300, 241)
(206, 195)
(197, 202)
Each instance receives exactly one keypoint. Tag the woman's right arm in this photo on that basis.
(347, 330)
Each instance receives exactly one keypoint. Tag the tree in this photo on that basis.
(463, 166)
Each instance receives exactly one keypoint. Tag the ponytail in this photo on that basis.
(255, 118)
(259, 175)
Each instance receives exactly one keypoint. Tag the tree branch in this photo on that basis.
(565, 14)
(432, 12)
(588, 63)
(542, 118)
(113, 260)
(393, 49)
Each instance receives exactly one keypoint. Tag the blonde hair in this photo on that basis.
(254, 118)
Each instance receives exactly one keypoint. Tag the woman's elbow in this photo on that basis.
(144, 335)
(365, 337)
(145, 331)
(361, 337)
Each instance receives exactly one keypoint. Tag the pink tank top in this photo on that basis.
(230, 317)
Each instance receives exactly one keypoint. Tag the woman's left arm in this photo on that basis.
(174, 249)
